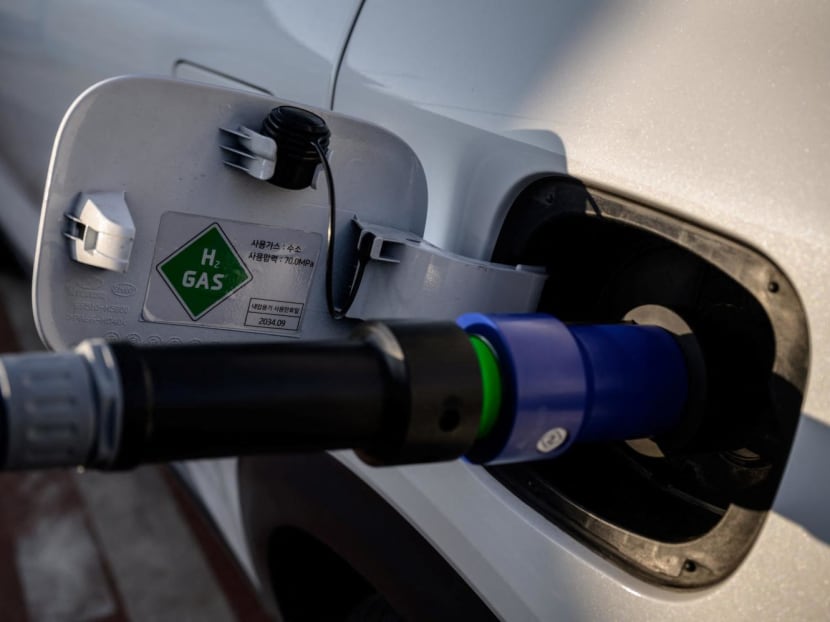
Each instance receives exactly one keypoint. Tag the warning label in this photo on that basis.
(204, 272)
(231, 275)
(273, 314)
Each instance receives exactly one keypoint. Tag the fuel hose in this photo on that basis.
(491, 388)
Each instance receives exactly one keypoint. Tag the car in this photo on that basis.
(655, 158)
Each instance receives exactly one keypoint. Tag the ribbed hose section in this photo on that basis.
(60, 409)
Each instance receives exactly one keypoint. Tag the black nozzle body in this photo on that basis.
(398, 393)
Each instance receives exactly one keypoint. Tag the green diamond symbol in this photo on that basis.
(204, 271)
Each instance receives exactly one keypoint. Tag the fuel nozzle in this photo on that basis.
(491, 388)
(398, 393)
(561, 384)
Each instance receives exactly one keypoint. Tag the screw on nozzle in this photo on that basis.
(296, 131)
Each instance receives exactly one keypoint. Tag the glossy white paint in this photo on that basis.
(217, 485)
(525, 568)
(716, 112)
(52, 50)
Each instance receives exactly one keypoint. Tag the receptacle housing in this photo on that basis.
(686, 512)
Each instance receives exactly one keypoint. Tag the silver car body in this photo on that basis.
(715, 112)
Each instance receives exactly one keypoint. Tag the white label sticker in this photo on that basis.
(224, 274)
(551, 439)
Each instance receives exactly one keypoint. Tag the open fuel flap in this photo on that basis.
(681, 510)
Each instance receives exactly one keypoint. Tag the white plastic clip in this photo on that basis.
(101, 231)
(257, 154)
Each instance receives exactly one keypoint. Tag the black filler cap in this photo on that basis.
(295, 130)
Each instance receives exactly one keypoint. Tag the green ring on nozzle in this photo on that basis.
(491, 385)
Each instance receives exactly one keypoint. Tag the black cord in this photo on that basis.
(335, 311)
